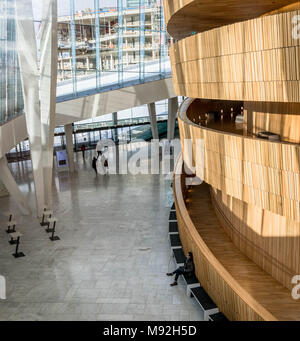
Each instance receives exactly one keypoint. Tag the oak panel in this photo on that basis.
(186, 16)
(271, 241)
(259, 172)
(238, 286)
(279, 118)
(255, 60)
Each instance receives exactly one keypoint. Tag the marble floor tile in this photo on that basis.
(111, 261)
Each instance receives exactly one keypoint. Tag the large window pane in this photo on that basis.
(11, 98)
(66, 72)
(106, 47)
(153, 40)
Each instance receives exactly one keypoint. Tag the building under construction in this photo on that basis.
(104, 45)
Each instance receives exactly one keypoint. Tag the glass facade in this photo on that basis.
(132, 124)
(103, 48)
(11, 97)
(99, 48)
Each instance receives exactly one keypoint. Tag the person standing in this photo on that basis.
(94, 165)
(105, 164)
(101, 160)
(83, 149)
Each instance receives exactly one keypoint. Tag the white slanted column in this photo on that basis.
(70, 147)
(27, 52)
(3, 190)
(13, 188)
(172, 112)
(153, 120)
(48, 80)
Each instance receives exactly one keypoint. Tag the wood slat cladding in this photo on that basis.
(255, 183)
(279, 118)
(259, 172)
(230, 297)
(269, 240)
(255, 60)
(173, 6)
(186, 16)
(239, 287)
(200, 107)
(288, 8)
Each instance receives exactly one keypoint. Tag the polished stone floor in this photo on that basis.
(111, 261)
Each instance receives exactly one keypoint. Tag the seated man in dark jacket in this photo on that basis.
(188, 268)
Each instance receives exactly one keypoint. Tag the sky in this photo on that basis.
(64, 6)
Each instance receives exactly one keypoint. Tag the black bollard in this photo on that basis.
(18, 254)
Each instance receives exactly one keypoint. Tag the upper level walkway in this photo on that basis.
(116, 92)
(89, 101)
(112, 80)
(247, 168)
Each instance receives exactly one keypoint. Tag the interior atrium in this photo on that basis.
(146, 139)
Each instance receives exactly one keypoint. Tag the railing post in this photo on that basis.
(73, 46)
(98, 45)
(120, 42)
(142, 40)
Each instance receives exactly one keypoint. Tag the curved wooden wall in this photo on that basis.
(197, 111)
(261, 183)
(250, 66)
(288, 8)
(173, 6)
(255, 60)
(241, 290)
(259, 172)
(270, 240)
(186, 16)
(230, 297)
(279, 118)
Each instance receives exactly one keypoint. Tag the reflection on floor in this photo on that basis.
(111, 261)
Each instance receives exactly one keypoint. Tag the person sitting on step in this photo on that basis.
(188, 269)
